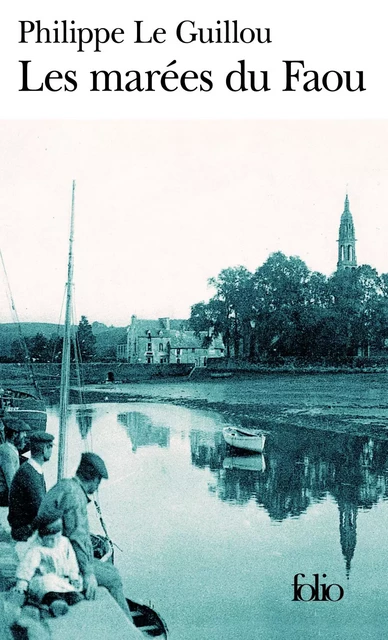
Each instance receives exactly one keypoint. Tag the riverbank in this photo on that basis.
(48, 375)
(343, 404)
(347, 399)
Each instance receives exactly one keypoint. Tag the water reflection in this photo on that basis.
(84, 417)
(141, 430)
(248, 462)
(300, 468)
(214, 537)
(208, 449)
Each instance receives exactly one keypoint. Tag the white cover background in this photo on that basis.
(335, 34)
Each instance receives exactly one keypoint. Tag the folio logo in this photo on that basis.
(317, 592)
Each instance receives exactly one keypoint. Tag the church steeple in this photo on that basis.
(346, 240)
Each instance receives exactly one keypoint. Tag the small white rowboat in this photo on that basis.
(244, 439)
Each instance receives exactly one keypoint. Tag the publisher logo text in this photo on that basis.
(316, 592)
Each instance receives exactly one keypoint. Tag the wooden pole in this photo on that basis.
(65, 369)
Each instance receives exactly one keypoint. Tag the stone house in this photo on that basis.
(166, 341)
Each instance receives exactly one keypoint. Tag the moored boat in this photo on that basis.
(244, 439)
(23, 405)
(100, 619)
(144, 617)
(147, 620)
(21, 397)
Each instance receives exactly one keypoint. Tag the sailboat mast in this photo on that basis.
(65, 369)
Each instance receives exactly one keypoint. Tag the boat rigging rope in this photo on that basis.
(54, 354)
(81, 384)
(69, 339)
(105, 530)
(78, 363)
(21, 336)
(78, 359)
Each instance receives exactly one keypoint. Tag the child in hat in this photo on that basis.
(48, 572)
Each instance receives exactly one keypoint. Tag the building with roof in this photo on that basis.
(167, 341)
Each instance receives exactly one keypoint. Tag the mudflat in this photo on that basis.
(344, 403)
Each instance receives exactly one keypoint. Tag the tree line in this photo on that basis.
(284, 310)
(38, 348)
(280, 311)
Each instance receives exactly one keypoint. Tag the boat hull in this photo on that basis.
(147, 620)
(144, 617)
(24, 406)
(242, 440)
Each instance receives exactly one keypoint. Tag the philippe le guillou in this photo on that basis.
(227, 32)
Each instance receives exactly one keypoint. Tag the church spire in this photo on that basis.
(346, 240)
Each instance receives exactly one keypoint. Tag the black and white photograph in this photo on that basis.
(193, 379)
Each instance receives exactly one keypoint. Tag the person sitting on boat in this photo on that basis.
(70, 496)
(15, 432)
(28, 487)
(48, 571)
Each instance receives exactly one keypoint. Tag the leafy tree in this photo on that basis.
(18, 353)
(358, 307)
(233, 302)
(382, 330)
(210, 318)
(55, 348)
(314, 319)
(201, 318)
(284, 310)
(107, 355)
(281, 294)
(38, 348)
(86, 340)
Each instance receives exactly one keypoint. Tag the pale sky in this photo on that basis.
(163, 206)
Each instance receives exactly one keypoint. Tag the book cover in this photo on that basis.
(231, 189)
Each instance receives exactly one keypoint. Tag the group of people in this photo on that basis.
(57, 567)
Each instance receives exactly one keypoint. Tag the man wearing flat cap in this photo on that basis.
(15, 431)
(71, 497)
(28, 487)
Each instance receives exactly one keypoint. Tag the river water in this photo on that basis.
(214, 538)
